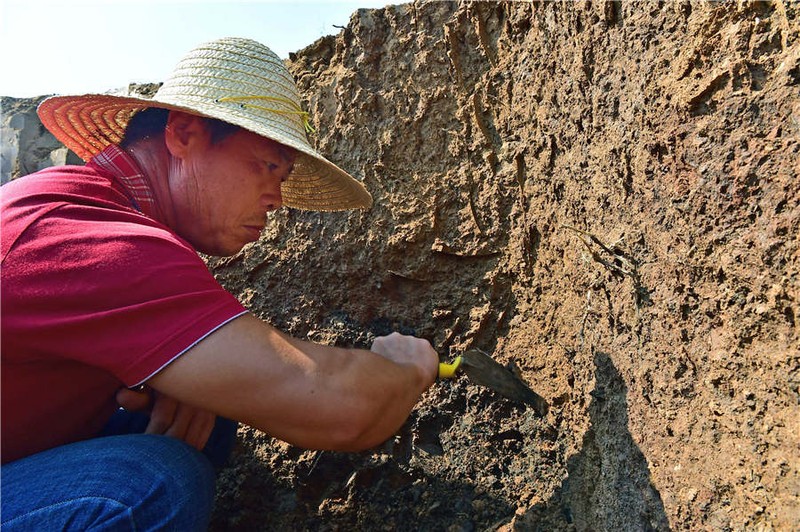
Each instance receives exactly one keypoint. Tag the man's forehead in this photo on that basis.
(267, 145)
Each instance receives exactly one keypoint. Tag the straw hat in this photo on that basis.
(238, 81)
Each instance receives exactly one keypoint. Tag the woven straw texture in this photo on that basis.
(239, 81)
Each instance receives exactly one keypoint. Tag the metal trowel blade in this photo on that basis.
(484, 370)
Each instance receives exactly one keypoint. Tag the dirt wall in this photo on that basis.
(600, 195)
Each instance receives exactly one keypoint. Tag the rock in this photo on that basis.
(25, 146)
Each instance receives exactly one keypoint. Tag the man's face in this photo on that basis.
(222, 192)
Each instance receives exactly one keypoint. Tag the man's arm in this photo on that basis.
(309, 395)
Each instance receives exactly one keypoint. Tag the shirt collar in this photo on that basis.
(124, 168)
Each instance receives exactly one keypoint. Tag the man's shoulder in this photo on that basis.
(63, 203)
(84, 181)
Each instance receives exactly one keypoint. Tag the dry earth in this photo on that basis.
(601, 195)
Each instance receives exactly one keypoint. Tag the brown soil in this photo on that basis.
(601, 195)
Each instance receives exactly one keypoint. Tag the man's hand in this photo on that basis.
(409, 350)
(169, 417)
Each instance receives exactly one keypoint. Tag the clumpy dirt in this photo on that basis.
(604, 196)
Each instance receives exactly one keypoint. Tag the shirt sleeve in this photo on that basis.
(109, 290)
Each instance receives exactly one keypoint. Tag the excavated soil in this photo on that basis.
(602, 196)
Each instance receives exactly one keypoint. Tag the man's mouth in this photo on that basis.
(254, 231)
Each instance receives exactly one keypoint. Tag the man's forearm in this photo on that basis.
(362, 396)
(309, 395)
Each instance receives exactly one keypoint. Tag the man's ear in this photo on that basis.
(183, 133)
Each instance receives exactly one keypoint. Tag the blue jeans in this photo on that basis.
(119, 481)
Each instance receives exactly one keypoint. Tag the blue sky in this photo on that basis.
(75, 47)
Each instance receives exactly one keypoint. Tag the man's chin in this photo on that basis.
(230, 253)
(219, 251)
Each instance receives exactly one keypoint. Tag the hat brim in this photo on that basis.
(88, 124)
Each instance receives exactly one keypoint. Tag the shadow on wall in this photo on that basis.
(608, 487)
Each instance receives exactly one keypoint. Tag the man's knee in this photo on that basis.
(180, 484)
(152, 482)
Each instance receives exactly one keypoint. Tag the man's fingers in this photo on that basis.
(134, 400)
(409, 350)
(200, 429)
(181, 421)
(163, 415)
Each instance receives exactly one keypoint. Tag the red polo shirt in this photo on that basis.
(95, 295)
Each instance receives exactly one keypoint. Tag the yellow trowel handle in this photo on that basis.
(448, 371)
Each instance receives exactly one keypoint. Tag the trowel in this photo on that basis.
(484, 370)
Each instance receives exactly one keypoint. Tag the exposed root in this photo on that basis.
(619, 266)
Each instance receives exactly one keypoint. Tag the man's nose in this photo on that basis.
(272, 199)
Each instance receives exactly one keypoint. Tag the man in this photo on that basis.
(106, 303)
